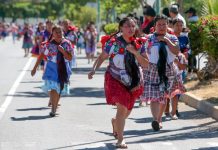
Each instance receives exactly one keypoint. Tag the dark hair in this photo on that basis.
(191, 10)
(38, 30)
(48, 21)
(165, 12)
(149, 11)
(162, 64)
(53, 29)
(176, 20)
(130, 15)
(160, 17)
(121, 23)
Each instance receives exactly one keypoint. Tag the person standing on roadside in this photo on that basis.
(27, 39)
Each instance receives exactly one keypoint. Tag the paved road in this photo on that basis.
(84, 120)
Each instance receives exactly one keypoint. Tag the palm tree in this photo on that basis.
(209, 7)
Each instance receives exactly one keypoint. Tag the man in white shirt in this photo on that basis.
(174, 14)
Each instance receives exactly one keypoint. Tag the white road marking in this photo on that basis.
(158, 145)
(166, 143)
(99, 146)
(12, 91)
(213, 143)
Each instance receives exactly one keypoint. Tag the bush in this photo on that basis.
(110, 28)
(203, 36)
(209, 35)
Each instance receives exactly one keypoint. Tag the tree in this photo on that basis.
(120, 6)
(88, 14)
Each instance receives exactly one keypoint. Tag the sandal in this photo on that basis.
(52, 114)
(115, 134)
(121, 145)
(160, 125)
(155, 125)
(49, 104)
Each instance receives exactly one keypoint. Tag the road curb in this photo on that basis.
(200, 104)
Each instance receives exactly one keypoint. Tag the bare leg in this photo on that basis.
(120, 121)
(114, 123)
(154, 110)
(88, 57)
(160, 114)
(92, 57)
(25, 52)
(54, 100)
(174, 107)
(167, 110)
(49, 103)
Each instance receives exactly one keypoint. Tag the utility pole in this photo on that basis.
(157, 6)
(98, 19)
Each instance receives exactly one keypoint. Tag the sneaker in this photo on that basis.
(174, 117)
(168, 116)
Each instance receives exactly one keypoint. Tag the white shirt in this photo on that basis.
(152, 48)
(154, 55)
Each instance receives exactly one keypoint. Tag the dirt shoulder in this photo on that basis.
(207, 91)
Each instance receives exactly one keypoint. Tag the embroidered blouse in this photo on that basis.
(116, 48)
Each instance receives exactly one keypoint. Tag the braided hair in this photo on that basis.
(130, 62)
(162, 61)
(61, 66)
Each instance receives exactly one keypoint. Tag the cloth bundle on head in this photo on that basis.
(174, 9)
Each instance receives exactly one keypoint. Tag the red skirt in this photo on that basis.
(116, 92)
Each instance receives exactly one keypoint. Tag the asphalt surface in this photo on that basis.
(84, 117)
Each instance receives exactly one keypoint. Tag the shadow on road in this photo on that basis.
(87, 70)
(30, 118)
(29, 94)
(96, 104)
(186, 115)
(30, 109)
(190, 132)
(31, 82)
(75, 92)
(86, 92)
(86, 146)
(207, 148)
